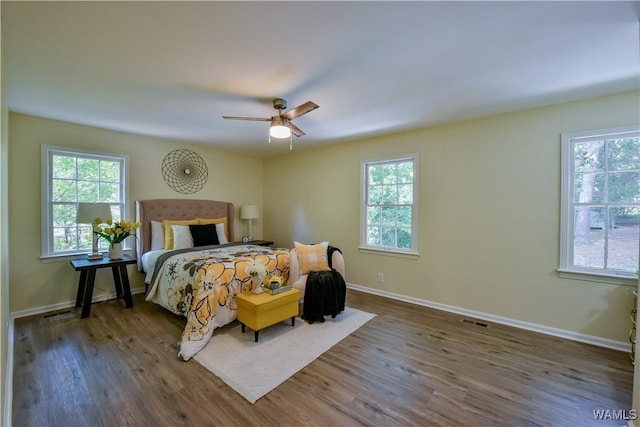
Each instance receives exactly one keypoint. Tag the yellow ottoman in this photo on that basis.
(258, 311)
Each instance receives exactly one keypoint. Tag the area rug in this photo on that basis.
(253, 369)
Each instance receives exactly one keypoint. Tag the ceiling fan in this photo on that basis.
(281, 125)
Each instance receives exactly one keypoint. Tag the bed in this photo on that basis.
(199, 281)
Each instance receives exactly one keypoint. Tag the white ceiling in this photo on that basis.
(172, 69)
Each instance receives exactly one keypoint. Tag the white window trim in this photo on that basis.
(566, 270)
(46, 243)
(411, 252)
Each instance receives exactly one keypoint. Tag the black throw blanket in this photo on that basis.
(324, 293)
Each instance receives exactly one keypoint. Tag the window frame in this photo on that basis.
(47, 153)
(567, 221)
(364, 188)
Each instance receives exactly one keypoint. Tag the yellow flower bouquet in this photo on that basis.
(114, 232)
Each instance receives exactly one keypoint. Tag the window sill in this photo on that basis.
(388, 252)
(598, 277)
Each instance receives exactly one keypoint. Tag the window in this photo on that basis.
(390, 205)
(601, 204)
(72, 176)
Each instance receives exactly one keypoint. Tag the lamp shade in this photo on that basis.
(88, 212)
(249, 212)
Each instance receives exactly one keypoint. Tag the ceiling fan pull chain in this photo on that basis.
(290, 141)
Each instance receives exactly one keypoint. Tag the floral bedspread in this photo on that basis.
(202, 285)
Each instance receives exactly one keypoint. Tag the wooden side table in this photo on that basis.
(87, 269)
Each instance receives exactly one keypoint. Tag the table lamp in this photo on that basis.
(86, 214)
(249, 212)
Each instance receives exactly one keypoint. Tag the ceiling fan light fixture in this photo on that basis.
(280, 132)
(279, 128)
(281, 125)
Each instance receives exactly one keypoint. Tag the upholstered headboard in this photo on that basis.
(159, 209)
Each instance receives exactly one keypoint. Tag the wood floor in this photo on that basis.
(408, 366)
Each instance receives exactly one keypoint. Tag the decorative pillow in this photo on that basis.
(222, 237)
(181, 237)
(204, 235)
(312, 257)
(157, 235)
(168, 232)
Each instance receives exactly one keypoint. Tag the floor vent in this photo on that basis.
(60, 313)
(475, 322)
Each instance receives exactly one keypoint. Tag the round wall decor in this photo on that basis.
(184, 171)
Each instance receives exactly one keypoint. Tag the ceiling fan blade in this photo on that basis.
(296, 130)
(300, 110)
(258, 119)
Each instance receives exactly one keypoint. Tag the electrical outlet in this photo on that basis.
(380, 277)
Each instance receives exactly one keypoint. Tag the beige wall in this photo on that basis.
(35, 283)
(5, 330)
(489, 215)
(489, 211)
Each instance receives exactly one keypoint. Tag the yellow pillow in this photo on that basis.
(312, 257)
(168, 231)
(207, 221)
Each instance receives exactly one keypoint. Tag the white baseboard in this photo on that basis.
(548, 330)
(8, 384)
(68, 304)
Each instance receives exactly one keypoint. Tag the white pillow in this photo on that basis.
(157, 235)
(181, 237)
(222, 237)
